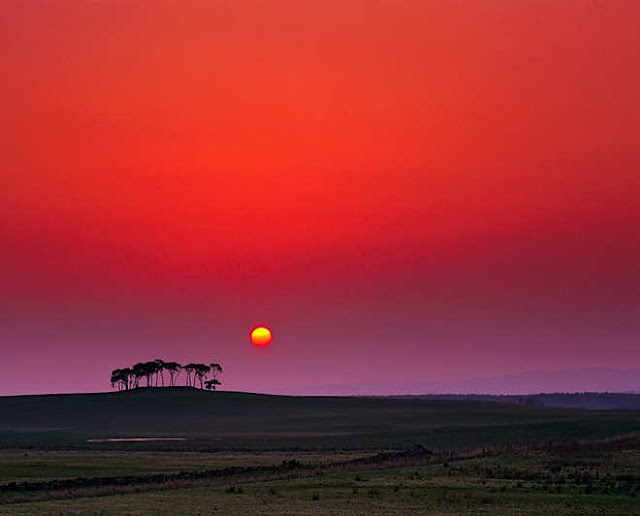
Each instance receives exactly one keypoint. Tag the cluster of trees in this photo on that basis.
(154, 374)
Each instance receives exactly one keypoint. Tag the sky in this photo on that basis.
(403, 191)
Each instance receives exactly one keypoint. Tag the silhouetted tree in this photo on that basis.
(127, 375)
(215, 369)
(116, 379)
(211, 384)
(150, 369)
(201, 371)
(122, 378)
(160, 367)
(190, 370)
(153, 372)
(174, 369)
(139, 371)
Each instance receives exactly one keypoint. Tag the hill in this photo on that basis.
(234, 420)
(595, 379)
(577, 400)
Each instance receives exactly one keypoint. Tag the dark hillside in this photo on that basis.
(576, 400)
(242, 420)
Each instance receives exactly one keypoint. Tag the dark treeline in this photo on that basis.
(153, 372)
(579, 400)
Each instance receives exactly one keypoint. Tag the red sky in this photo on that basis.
(404, 191)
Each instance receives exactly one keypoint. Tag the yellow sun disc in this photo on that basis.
(261, 336)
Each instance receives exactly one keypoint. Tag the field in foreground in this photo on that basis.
(571, 480)
(242, 421)
(252, 454)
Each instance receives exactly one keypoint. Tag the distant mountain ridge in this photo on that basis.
(528, 382)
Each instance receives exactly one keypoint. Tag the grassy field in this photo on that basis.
(21, 465)
(536, 482)
(240, 421)
(254, 454)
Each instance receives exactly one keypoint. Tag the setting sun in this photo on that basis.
(261, 337)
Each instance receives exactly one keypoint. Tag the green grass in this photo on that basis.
(20, 465)
(505, 484)
(239, 421)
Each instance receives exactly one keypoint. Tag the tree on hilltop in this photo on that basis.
(201, 371)
(215, 369)
(174, 369)
(116, 379)
(190, 370)
(127, 375)
(160, 367)
(153, 372)
(212, 384)
(122, 378)
(150, 369)
(139, 371)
